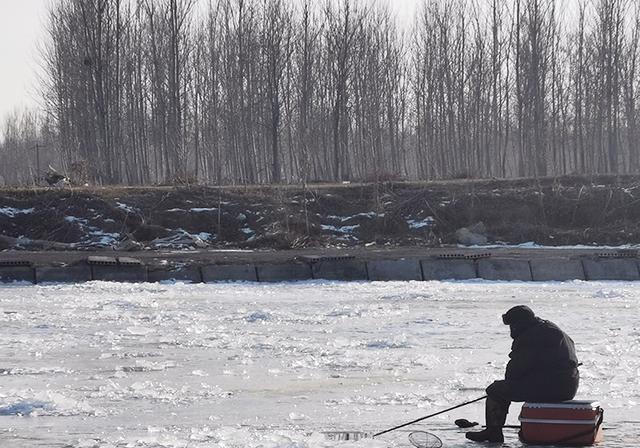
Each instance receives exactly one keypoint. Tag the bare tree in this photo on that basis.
(277, 91)
(277, 48)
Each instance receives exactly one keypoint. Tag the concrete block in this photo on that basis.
(504, 269)
(610, 269)
(448, 269)
(386, 270)
(339, 270)
(284, 272)
(188, 274)
(556, 269)
(101, 260)
(118, 273)
(129, 261)
(10, 274)
(63, 274)
(229, 272)
(111, 269)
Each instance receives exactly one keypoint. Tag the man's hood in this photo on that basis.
(519, 318)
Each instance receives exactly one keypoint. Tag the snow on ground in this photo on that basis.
(532, 245)
(428, 222)
(104, 365)
(12, 212)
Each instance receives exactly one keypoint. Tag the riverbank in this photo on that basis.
(592, 211)
(572, 227)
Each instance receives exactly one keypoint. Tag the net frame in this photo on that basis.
(424, 439)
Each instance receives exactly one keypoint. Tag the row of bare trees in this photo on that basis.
(26, 148)
(270, 91)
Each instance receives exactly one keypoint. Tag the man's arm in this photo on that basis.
(523, 361)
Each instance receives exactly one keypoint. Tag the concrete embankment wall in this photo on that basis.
(448, 267)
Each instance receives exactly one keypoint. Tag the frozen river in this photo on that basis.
(104, 365)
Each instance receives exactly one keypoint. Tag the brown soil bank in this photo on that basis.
(600, 210)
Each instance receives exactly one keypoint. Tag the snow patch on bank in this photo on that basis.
(428, 222)
(13, 212)
(533, 245)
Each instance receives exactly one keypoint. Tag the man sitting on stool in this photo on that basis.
(543, 368)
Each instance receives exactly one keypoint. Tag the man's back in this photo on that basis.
(541, 348)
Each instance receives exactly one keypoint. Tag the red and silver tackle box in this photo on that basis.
(574, 422)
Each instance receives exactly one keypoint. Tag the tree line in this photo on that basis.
(284, 91)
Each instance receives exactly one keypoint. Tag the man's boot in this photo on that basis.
(496, 416)
(492, 435)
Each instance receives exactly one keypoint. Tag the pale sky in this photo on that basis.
(21, 30)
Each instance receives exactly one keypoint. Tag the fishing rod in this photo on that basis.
(428, 416)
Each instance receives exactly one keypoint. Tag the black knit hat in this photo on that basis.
(518, 314)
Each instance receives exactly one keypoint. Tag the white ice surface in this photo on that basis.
(105, 365)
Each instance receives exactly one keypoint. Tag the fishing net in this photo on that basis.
(419, 439)
(423, 439)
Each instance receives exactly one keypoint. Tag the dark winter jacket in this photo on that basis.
(541, 348)
(543, 365)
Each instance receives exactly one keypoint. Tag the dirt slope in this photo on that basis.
(602, 210)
